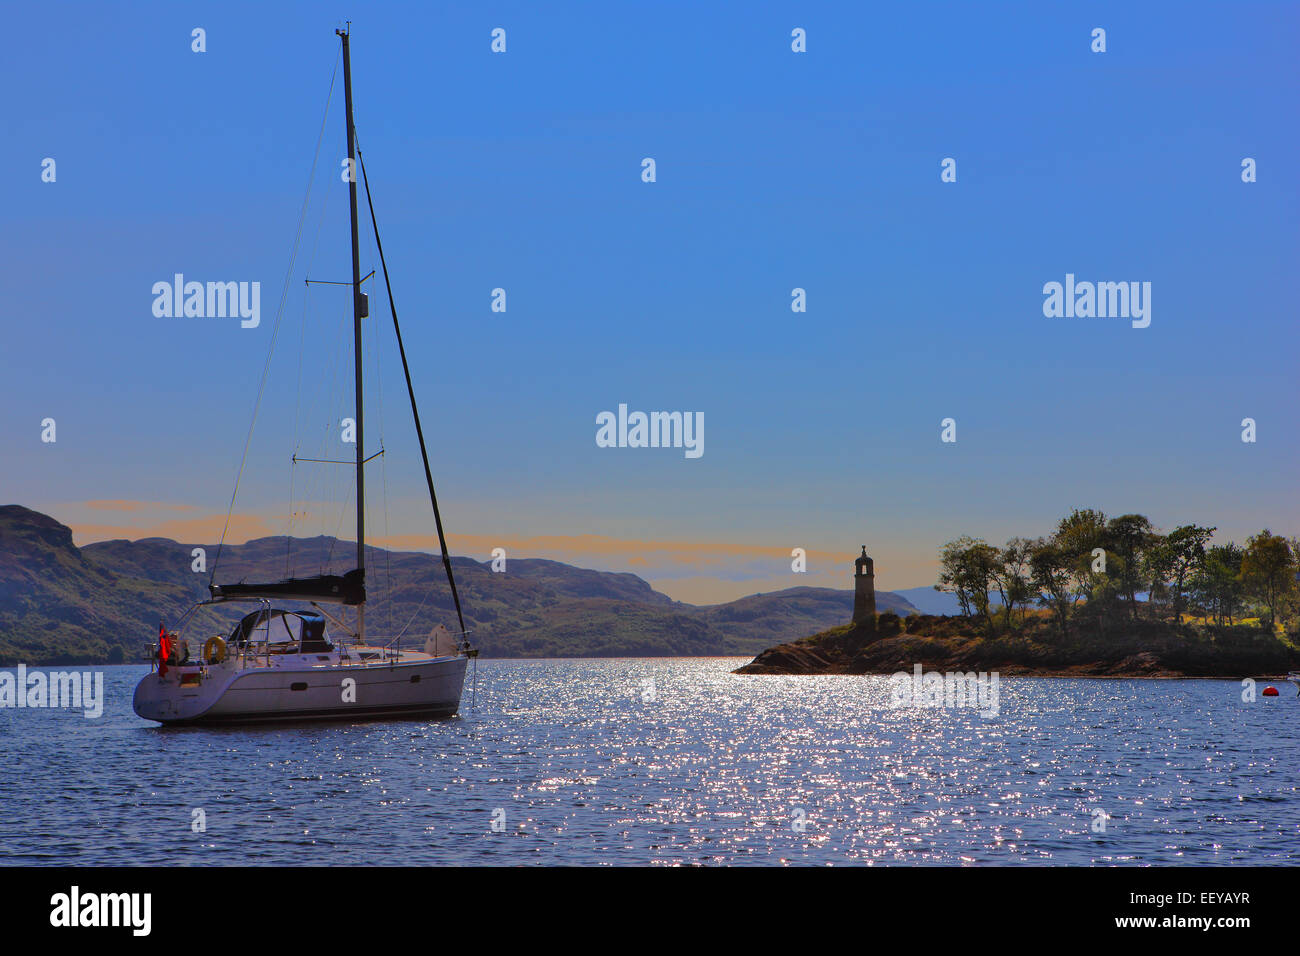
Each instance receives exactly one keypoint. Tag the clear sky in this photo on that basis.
(775, 170)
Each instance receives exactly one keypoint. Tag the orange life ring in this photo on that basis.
(214, 650)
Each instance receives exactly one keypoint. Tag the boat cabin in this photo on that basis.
(287, 632)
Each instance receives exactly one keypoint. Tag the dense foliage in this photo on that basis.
(1102, 575)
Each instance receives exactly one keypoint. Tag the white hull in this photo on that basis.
(303, 687)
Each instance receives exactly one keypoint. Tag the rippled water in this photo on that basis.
(590, 763)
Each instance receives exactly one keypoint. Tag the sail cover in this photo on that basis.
(349, 588)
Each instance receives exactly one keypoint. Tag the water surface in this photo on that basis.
(674, 761)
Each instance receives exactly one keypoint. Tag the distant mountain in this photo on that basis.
(102, 603)
(930, 601)
(57, 605)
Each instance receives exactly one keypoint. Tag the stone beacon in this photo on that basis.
(864, 589)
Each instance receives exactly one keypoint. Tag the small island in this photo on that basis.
(1098, 598)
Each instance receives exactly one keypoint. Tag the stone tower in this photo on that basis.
(864, 589)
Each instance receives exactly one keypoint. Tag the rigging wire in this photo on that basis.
(383, 470)
(275, 330)
(297, 408)
(378, 379)
(415, 412)
(298, 428)
(293, 466)
(340, 408)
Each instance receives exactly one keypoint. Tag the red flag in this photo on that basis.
(164, 650)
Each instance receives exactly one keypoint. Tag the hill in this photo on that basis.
(102, 603)
(930, 601)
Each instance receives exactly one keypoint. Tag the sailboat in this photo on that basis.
(280, 663)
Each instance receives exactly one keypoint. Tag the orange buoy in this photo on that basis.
(1270, 691)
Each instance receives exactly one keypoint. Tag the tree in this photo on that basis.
(1013, 576)
(1267, 569)
(1050, 573)
(1289, 609)
(984, 563)
(1129, 536)
(1077, 538)
(1175, 558)
(1216, 584)
(951, 573)
(968, 568)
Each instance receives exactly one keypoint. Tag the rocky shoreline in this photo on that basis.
(1150, 649)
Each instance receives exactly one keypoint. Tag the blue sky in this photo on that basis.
(775, 170)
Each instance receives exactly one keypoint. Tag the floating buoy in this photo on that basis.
(1270, 691)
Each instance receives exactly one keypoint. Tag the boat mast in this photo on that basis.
(358, 310)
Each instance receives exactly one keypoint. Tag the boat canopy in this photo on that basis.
(349, 588)
(278, 628)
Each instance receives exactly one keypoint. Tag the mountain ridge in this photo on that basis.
(101, 603)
